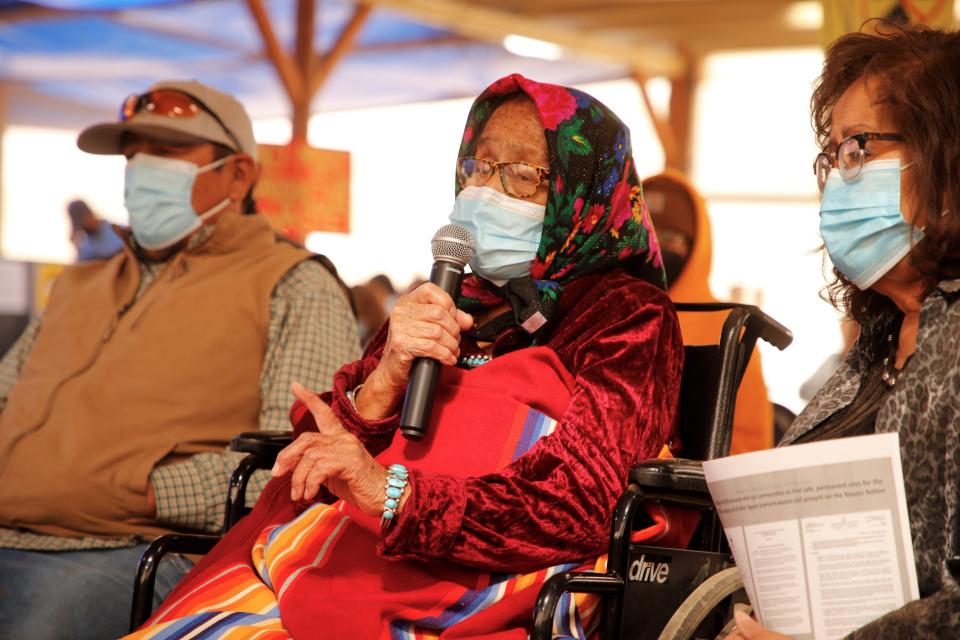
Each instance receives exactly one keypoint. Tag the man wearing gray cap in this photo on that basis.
(116, 406)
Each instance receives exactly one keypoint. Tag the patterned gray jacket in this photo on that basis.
(924, 407)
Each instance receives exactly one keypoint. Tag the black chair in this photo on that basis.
(652, 592)
(711, 377)
(262, 448)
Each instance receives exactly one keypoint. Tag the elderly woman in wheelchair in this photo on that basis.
(564, 360)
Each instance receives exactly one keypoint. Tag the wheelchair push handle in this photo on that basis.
(758, 322)
(770, 330)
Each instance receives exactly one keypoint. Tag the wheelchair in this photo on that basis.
(659, 593)
(646, 591)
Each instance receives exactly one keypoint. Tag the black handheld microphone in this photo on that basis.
(452, 248)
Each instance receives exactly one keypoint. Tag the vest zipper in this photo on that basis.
(171, 273)
(93, 358)
(146, 306)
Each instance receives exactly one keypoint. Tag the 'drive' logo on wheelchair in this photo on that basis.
(658, 581)
(650, 569)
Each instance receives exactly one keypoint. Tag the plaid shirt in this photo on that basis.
(311, 333)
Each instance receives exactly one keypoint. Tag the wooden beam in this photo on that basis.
(21, 12)
(493, 25)
(660, 124)
(674, 129)
(682, 90)
(707, 41)
(306, 16)
(670, 14)
(326, 63)
(659, 10)
(282, 63)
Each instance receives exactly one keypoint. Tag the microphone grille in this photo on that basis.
(453, 243)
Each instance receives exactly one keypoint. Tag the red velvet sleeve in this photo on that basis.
(622, 343)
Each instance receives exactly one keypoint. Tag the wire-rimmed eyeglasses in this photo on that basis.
(848, 157)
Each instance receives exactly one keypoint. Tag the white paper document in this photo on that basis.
(819, 531)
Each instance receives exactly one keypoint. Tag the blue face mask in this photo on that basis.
(158, 196)
(506, 232)
(861, 223)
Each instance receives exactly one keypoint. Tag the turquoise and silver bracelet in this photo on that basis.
(397, 477)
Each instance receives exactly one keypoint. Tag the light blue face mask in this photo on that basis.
(158, 196)
(861, 223)
(506, 232)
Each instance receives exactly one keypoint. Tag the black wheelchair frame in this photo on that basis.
(635, 602)
(710, 381)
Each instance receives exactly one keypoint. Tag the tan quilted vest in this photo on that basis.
(113, 388)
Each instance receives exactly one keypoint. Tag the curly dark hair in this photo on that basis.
(915, 72)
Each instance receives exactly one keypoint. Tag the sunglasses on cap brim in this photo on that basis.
(171, 103)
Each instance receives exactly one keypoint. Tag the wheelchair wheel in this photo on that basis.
(713, 595)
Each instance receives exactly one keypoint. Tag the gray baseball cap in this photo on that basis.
(107, 137)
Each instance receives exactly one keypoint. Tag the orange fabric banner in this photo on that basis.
(303, 189)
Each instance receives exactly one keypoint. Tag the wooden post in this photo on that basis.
(674, 129)
(660, 124)
(303, 73)
(306, 16)
(306, 13)
(681, 114)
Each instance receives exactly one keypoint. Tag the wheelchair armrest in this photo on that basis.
(143, 586)
(568, 581)
(263, 448)
(670, 474)
(263, 444)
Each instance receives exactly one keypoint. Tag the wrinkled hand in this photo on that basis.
(333, 457)
(750, 629)
(424, 323)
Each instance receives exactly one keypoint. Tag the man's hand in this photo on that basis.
(333, 457)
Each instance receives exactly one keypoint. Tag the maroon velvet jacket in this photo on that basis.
(620, 339)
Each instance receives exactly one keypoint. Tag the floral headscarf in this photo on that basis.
(595, 213)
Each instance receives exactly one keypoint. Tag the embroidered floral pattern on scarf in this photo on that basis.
(595, 212)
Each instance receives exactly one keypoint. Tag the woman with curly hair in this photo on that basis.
(887, 112)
